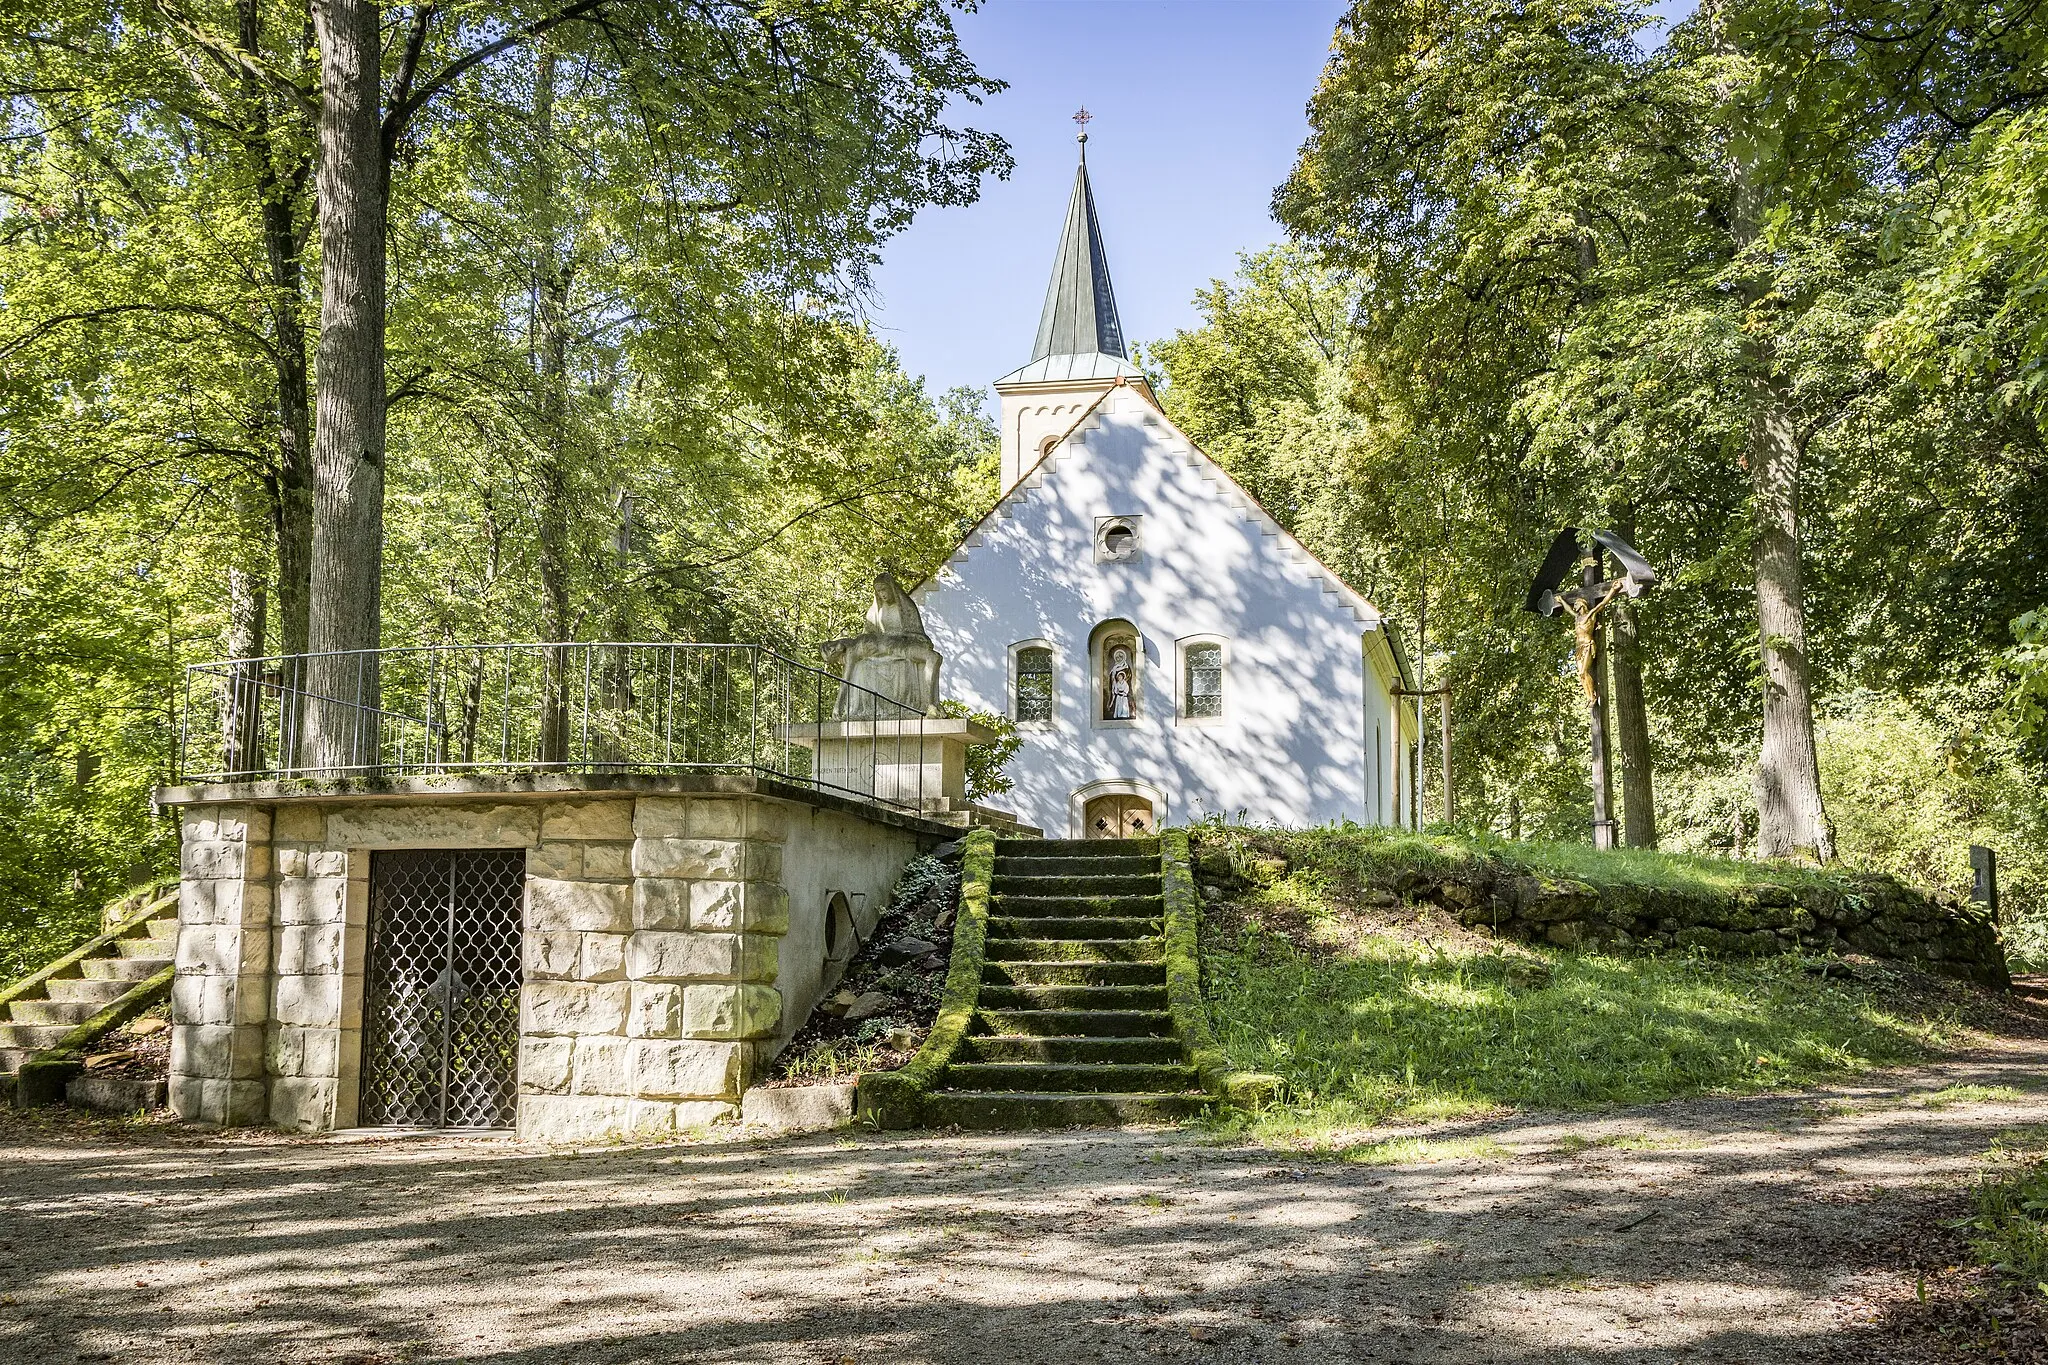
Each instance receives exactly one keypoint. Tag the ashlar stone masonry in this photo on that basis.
(674, 938)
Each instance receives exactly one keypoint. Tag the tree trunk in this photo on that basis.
(1631, 716)
(1790, 820)
(551, 378)
(242, 707)
(348, 440)
(292, 496)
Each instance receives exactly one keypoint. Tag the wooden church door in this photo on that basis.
(1117, 817)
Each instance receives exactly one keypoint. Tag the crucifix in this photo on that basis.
(1586, 601)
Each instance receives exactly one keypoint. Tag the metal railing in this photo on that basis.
(600, 707)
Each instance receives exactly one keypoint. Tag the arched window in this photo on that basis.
(1032, 685)
(1203, 693)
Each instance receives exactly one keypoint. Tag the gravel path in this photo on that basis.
(1731, 1230)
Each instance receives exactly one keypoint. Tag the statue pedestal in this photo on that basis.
(918, 763)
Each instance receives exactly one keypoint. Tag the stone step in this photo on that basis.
(1130, 1078)
(35, 1037)
(1023, 948)
(11, 1059)
(1074, 973)
(1076, 848)
(142, 945)
(1078, 867)
(1068, 1050)
(1089, 926)
(1073, 997)
(1044, 907)
(1090, 885)
(129, 969)
(1077, 1023)
(69, 1013)
(93, 991)
(163, 927)
(999, 1109)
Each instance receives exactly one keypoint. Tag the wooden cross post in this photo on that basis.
(1587, 601)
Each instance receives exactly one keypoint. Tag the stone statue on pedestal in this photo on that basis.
(893, 657)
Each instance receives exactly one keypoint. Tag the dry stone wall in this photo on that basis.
(1855, 912)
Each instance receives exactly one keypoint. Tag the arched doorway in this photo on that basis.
(1118, 816)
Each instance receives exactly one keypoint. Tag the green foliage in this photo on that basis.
(2027, 705)
(2008, 1228)
(631, 394)
(988, 765)
(1912, 787)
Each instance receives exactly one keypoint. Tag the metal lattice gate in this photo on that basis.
(441, 1010)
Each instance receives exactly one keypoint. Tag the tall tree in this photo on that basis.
(815, 128)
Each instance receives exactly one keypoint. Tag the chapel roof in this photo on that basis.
(1080, 318)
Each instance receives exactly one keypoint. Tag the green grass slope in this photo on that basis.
(1377, 1012)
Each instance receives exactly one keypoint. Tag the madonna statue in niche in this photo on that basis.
(1117, 655)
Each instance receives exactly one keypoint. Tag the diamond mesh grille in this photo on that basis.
(441, 1021)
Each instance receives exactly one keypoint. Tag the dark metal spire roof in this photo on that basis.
(1080, 309)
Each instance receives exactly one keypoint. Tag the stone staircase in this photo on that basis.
(1072, 1025)
(39, 1017)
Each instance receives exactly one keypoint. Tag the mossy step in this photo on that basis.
(1000, 1109)
(1026, 948)
(1073, 997)
(33, 1036)
(1087, 926)
(129, 969)
(1021, 906)
(92, 990)
(1076, 848)
(1069, 1050)
(1095, 1077)
(1077, 1023)
(163, 927)
(69, 1013)
(1089, 886)
(159, 950)
(1074, 973)
(1077, 867)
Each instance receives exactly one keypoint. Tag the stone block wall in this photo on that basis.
(220, 995)
(660, 968)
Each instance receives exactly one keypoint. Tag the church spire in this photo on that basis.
(1080, 308)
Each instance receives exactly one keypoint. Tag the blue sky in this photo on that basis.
(1199, 107)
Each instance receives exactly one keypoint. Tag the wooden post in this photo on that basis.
(1603, 782)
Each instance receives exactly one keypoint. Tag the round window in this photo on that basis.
(1119, 541)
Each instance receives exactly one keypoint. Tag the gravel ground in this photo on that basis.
(1725, 1230)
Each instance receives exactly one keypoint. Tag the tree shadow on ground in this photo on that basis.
(1728, 1241)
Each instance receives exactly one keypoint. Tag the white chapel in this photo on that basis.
(1168, 652)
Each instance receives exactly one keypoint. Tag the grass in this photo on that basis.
(1967, 1094)
(1370, 1024)
(1411, 1151)
(2008, 1228)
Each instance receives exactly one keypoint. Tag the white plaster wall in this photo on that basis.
(1300, 696)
